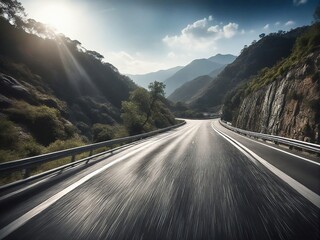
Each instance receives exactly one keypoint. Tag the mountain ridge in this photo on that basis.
(196, 68)
(144, 80)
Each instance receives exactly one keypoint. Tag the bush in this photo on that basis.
(8, 134)
(8, 155)
(30, 148)
(44, 123)
(65, 144)
(102, 132)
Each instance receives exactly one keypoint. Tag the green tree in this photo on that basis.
(146, 110)
(132, 117)
(156, 92)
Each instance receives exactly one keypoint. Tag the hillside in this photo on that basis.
(186, 92)
(144, 80)
(192, 89)
(286, 96)
(55, 94)
(196, 68)
(264, 53)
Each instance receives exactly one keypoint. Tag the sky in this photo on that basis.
(141, 36)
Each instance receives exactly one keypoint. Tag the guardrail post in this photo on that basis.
(73, 158)
(26, 172)
(91, 152)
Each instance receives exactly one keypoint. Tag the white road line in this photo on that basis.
(44, 205)
(304, 191)
(280, 150)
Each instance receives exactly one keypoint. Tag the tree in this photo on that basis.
(145, 110)
(95, 54)
(156, 91)
(13, 11)
(262, 35)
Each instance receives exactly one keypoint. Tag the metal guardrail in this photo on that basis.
(292, 143)
(27, 163)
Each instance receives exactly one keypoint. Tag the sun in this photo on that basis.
(57, 15)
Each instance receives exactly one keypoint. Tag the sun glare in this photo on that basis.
(58, 15)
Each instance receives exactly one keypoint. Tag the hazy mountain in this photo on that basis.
(143, 80)
(263, 54)
(223, 58)
(187, 91)
(196, 68)
(192, 89)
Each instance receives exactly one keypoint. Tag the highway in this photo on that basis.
(192, 182)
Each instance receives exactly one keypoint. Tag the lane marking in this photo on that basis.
(280, 150)
(11, 227)
(304, 191)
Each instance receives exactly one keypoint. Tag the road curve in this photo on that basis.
(190, 183)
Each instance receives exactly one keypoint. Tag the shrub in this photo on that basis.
(44, 123)
(102, 132)
(30, 148)
(65, 144)
(8, 134)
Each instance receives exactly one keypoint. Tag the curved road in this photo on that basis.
(189, 183)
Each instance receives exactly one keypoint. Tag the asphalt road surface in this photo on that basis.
(189, 183)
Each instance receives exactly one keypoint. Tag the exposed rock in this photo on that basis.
(5, 102)
(10, 87)
(288, 106)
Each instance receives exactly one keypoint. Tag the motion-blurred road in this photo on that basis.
(189, 183)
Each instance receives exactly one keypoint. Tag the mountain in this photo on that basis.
(187, 91)
(196, 68)
(286, 96)
(192, 89)
(223, 58)
(143, 80)
(216, 72)
(261, 54)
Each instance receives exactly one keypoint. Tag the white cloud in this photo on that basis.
(266, 26)
(289, 23)
(201, 35)
(133, 65)
(299, 2)
(277, 23)
(230, 30)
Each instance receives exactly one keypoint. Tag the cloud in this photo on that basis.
(299, 2)
(171, 55)
(230, 30)
(201, 35)
(266, 27)
(289, 23)
(277, 23)
(132, 64)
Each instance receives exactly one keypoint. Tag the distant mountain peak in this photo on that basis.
(223, 58)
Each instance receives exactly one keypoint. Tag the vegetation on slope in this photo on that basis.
(54, 93)
(261, 54)
(305, 44)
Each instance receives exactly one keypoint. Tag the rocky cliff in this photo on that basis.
(288, 106)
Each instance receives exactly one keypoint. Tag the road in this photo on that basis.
(189, 183)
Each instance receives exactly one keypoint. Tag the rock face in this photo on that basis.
(288, 106)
